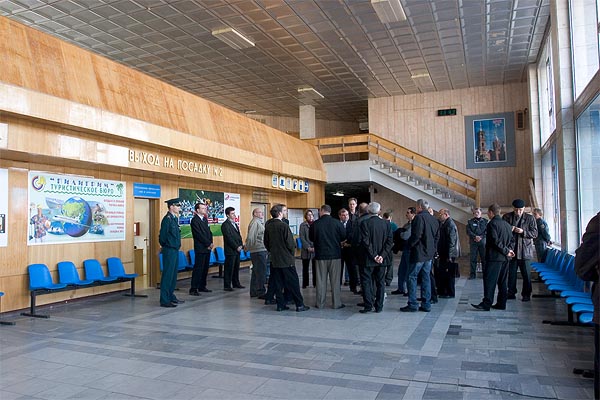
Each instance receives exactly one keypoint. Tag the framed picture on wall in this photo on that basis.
(490, 140)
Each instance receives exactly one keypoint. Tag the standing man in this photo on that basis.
(404, 234)
(352, 210)
(498, 250)
(258, 254)
(279, 241)
(389, 270)
(233, 245)
(524, 231)
(377, 240)
(327, 235)
(447, 253)
(203, 245)
(347, 252)
(542, 241)
(476, 232)
(170, 242)
(422, 242)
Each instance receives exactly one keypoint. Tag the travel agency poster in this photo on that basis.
(74, 209)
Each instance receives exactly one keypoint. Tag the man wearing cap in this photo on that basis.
(170, 242)
(524, 231)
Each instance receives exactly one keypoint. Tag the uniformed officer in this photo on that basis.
(170, 241)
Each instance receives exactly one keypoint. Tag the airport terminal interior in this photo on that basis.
(110, 108)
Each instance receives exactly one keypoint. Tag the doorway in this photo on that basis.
(143, 243)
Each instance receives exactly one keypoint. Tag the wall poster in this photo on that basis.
(216, 203)
(74, 209)
(490, 140)
(3, 207)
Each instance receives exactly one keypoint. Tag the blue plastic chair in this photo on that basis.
(220, 255)
(182, 262)
(93, 270)
(192, 255)
(116, 269)
(213, 259)
(298, 243)
(67, 274)
(40, 278)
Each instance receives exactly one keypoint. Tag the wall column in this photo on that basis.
(308, 125)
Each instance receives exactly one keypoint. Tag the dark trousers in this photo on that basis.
(495, 274)
(403, 270)
(373, 287)
(200, 271)
(476, 249)
(231, 273)
(286, 279)
(540, 250)
(389, 275)
(597, 360)
(168, 278)
(525, 267)
(444, 277)
(432, 279)
(259, 273)
(349, 262)
(306, 262)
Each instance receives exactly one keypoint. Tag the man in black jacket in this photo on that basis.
(377, 241)
(280, 243)
(422, 242)
(447, 253)
(498, 250)
(203, 245)
(233, 245)
(524, 231)
(476, 231)
(327, 235)
(542, 241)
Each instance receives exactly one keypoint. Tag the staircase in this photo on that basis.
(370, 158)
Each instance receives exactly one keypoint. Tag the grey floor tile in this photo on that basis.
(291, 390)
(339, 393)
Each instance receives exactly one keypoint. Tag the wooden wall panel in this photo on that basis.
(412, 121)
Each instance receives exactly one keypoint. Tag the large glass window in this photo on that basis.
(546, 92)
(584, 39)
(588, 154)
(550, 202)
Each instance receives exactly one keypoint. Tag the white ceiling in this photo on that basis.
(338, 47)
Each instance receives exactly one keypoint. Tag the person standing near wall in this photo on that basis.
(476, 231)
(233, 245)
(203, 245)
(307, 253)
(542, 241)
(170, 242)
(258, 254)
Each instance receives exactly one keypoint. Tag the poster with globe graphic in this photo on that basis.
(74, 209)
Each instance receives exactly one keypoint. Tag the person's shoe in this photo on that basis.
(304, 287)
(240, 287)
(472, 277)
(228, 289)
(360, 304)
(481, 307)
(194, 292)
(434, 301)
(346, 283)
(261, 297)
(168, 305)
(408, 309)
(497, 307)
(398, 291)
(283, 308)
(388, 284)
(424, 309)
(269, 302)
(420, 299)
(205, 290)
(177, 301)
(405, 294)
(378, 310)
(511, 297)
(302, 308)
(526, 298)
(365, 310)
(342, 306)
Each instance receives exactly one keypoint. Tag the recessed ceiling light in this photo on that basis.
(338, 193)
(233, 38)
(310, 93)
(389, 10)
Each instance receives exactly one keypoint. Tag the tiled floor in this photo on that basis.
(226, 346)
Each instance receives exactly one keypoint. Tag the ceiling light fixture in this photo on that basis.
(389, 11)
(338, 194)
(233, 38)
(310, 93)
(423, 81)
(249, 111)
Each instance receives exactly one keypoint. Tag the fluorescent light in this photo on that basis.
(338, 193)
(389, 10)
(233, 38)
(249, 111)
(310, 93)
(423, 81)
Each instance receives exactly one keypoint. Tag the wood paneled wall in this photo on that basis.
(323, 128)
(411, 121)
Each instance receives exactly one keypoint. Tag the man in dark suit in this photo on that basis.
(447, 254)
(498, 249)
(524, 231)
(233, 245)
(424, 233)
(347, 253)
(203, 245)
(377, 241)
(327, 235)
(170, 242)
(279, 241)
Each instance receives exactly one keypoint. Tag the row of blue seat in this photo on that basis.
(217, 258)
(558, 274)
(40, 279)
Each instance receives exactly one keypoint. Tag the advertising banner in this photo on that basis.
(216, 203)
(74, 209)
(3, 207)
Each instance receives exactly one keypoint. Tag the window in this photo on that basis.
(584, 42)
(546, 92)
(550, 202)
(588, 158)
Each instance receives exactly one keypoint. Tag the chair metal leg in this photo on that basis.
(32, 312)
(132, 291)
(4, 322)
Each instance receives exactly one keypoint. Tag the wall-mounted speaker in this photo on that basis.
(520, 120)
